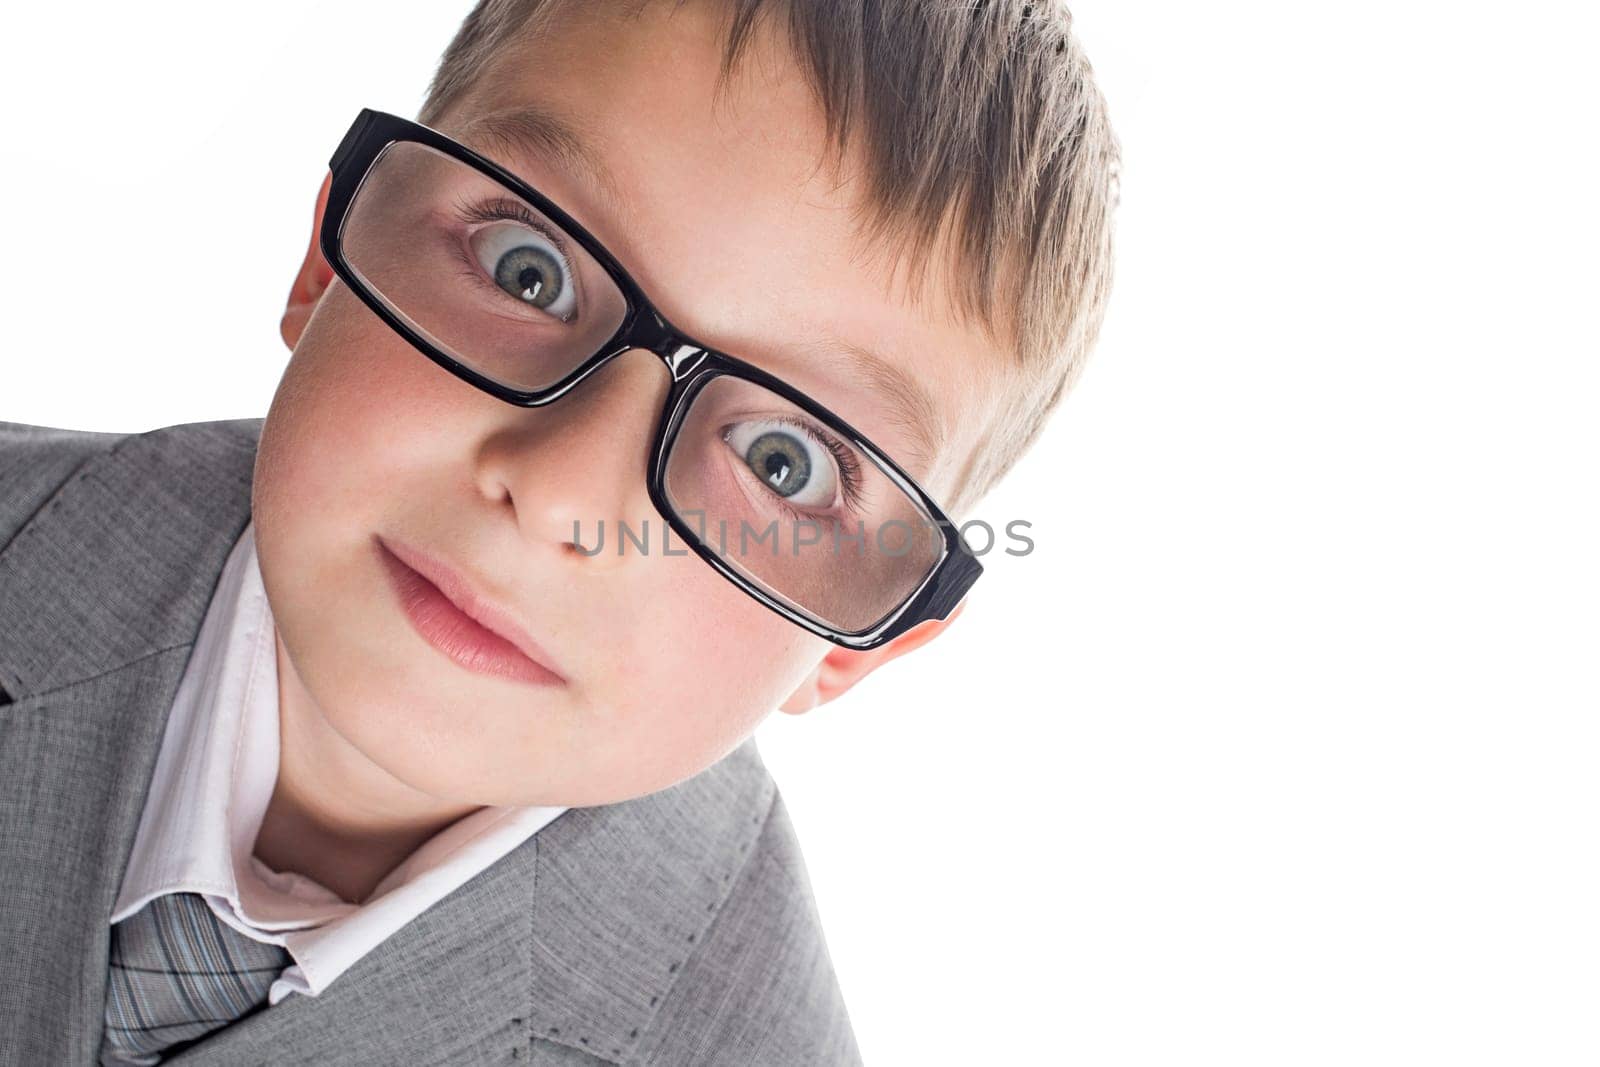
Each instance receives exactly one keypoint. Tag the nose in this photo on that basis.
(572, 473)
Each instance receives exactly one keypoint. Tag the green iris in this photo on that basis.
(781, 461)
(530, 274)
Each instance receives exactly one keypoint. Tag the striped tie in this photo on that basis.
(178, 973)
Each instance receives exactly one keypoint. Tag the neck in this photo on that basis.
(335, 816)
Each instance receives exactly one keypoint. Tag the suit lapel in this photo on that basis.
(574, 938)
(101, 596)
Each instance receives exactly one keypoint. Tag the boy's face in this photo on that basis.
(721, 211)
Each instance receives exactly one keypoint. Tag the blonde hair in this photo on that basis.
(982, 130)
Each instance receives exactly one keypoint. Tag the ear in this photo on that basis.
(311, 281)
(844, 667)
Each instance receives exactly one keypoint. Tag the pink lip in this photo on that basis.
(458, 622)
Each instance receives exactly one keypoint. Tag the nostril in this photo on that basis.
(585, 546)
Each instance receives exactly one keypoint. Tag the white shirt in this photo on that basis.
(213, 777)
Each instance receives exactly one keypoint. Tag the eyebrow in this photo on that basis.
(529, 131)
(908, 405)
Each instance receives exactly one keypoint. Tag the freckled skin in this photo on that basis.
(669, 666)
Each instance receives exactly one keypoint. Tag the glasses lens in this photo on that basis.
(807, 516)
(480, 272)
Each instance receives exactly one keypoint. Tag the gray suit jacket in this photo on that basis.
(675, 928)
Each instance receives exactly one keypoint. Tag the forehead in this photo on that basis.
(722, 203)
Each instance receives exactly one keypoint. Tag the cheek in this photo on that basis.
(357, 408)
(726, 663)
(354, 393)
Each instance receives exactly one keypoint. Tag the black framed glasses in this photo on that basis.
(495, 283)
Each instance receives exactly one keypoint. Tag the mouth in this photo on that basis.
(451, 617)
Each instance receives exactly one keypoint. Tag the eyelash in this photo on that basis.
(849, 466)
(502, 210)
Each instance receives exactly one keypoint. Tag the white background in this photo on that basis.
(1280, 747)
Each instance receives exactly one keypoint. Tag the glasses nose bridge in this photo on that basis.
(681, 359)
(650, 331)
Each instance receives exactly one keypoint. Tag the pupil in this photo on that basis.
(531, 283)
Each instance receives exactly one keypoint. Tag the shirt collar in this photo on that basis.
(217, 767)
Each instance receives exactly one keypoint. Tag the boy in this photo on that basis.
(410, 723)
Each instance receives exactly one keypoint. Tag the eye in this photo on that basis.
(789, 461)
(528, 267)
